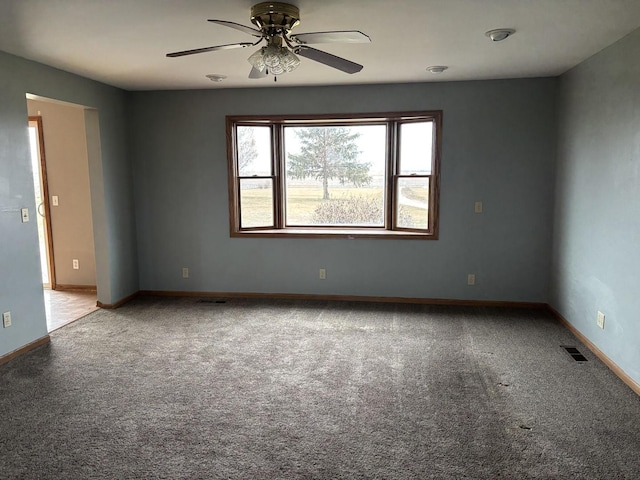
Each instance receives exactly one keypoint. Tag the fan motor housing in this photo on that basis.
(275, 15)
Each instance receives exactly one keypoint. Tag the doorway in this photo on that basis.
(41, 189)
(58, 141)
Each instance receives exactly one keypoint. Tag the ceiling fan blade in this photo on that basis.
(238, 26)
(210, 49)
(346, 36)
(328, 59)
(255, 73)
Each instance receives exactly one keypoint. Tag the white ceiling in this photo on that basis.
(124, 42)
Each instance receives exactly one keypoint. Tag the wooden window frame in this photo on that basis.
(277, 123)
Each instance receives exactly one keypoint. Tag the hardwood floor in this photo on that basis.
(63, 307)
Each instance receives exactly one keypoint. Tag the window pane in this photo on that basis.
(416, 148)
(254, 151)
(335, 175)
(256, 202)
(413, 202)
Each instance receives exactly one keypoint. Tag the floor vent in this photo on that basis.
(575, 354)
(209, 301)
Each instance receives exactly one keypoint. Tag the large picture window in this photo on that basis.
(373, 175)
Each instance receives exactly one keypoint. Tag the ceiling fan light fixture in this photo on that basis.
(280, 55)
(500, 34)
(272, 55)
(275, 59)
(257, 60)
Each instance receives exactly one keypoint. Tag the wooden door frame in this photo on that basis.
(44, 185)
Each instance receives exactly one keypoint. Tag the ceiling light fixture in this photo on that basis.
(437, 68)
(214, 77)
(500, 34)
(274, 59)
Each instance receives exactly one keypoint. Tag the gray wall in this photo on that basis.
(111, 190)
(596, 244)
(499, 147)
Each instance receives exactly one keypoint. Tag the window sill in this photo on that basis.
(347, 233)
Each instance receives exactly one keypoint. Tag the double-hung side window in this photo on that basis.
(373, 175)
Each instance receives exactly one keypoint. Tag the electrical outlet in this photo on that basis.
(600, 319)
(76, 264)
(6, 319)
(471, 279)
(478, 207)
(185, 272)
(323, 274)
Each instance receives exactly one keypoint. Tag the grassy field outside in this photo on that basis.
(302, 201)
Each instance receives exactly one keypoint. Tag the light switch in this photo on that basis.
(25, 215)
(54, 200)
(478, 207)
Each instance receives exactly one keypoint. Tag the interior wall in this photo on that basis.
(67, 163)
(111, 195)
(498, 148)
(596, 254)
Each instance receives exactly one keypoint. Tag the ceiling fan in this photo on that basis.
(275, 21)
